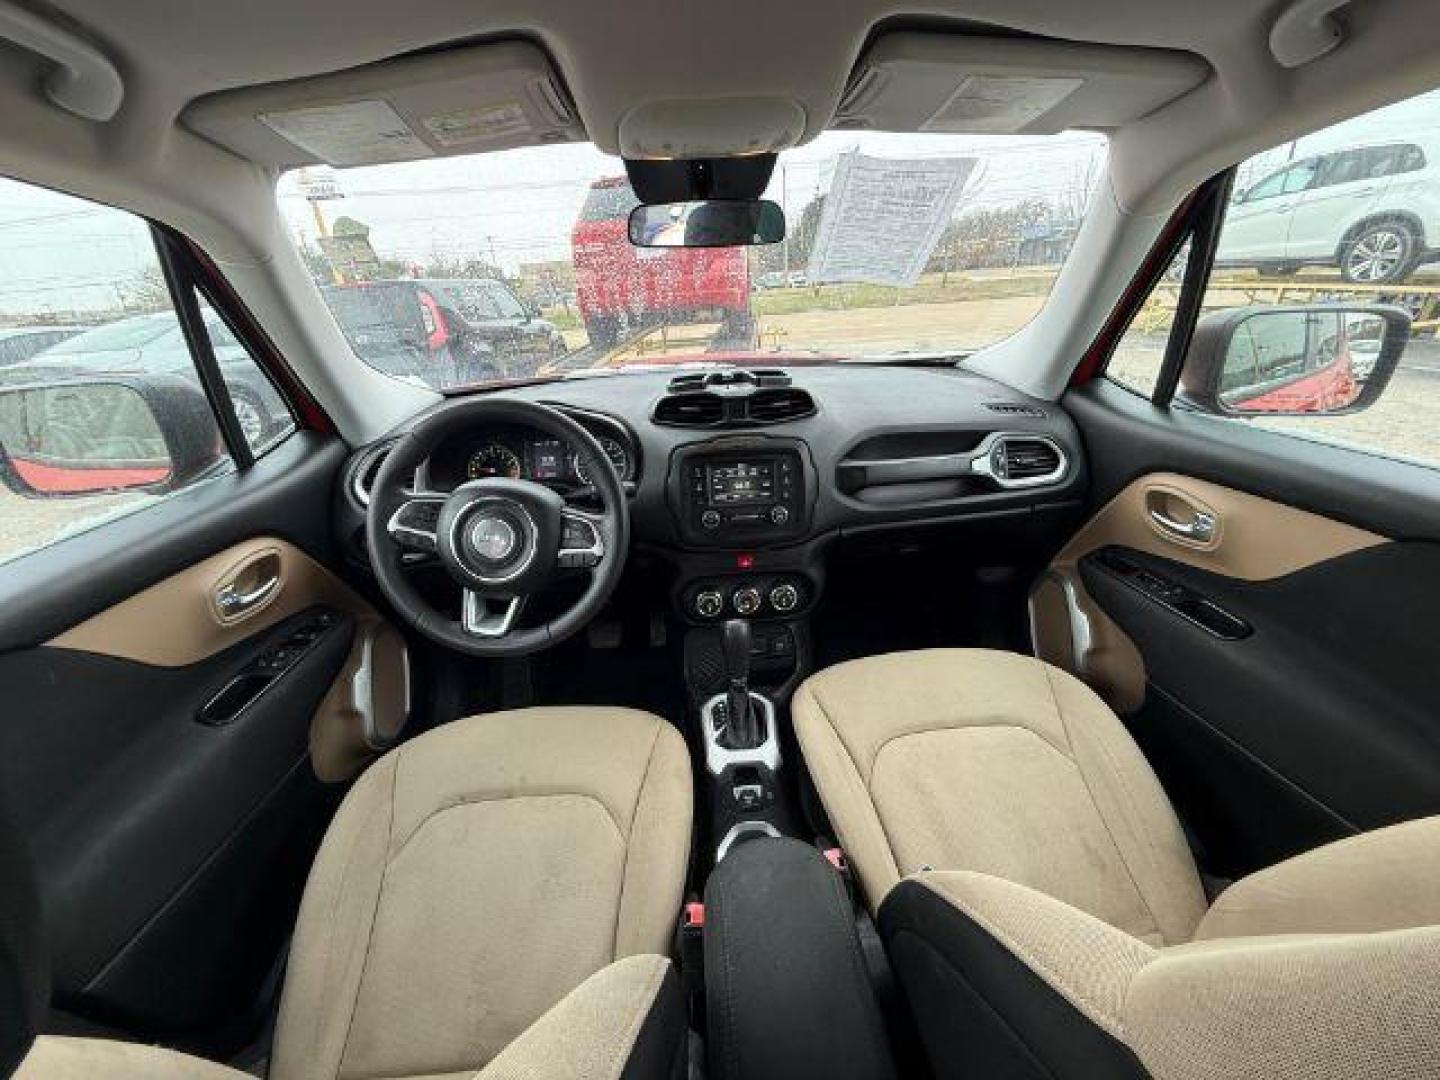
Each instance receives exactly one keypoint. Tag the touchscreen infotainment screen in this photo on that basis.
(742, 482)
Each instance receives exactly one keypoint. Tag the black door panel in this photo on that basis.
(1318, 715)
(170, 853)
(1318, 722)
(145, 824)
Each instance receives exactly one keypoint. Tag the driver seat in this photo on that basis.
(495, 898)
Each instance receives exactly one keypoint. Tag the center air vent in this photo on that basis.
(778, 406)
(695, 409)
(733, 399)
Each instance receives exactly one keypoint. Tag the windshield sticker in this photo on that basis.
(353, 133)
(478, 125)
(883, 218)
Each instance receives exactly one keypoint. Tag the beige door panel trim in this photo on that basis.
(178, 621)
(1190, 521)
(1253, 539)
(186, 618)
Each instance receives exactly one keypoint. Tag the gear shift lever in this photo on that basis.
(742, 720)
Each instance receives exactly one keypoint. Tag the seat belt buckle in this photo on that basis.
(693, 917)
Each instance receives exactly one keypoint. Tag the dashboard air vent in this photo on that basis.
(1014, 408)
(362, 477)
(778, 406)
(1028, 459)
(692, 409)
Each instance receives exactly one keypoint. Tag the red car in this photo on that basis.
(622, 287)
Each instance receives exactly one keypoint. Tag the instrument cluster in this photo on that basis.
(524, 454)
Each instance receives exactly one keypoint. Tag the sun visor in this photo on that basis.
(461, 101)
(1010, 86)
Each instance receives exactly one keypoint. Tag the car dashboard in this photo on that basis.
(743, 481)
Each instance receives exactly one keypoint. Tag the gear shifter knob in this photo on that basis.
(737, 651)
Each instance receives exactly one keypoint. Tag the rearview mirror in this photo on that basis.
(1312, 360)
(86, 437)
(711, 223)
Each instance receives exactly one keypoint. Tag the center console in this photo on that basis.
(742, 491)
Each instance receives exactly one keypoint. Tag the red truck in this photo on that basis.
(620, 287)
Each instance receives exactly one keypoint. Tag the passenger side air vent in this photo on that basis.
(693, 409)
(733, 399)
(1021, 459)
(1014, 408)
(778, 406)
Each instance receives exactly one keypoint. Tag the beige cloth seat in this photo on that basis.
(494, 899)
(1045, 916)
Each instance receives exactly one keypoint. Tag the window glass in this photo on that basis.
(264, 417)
(1340, 168)
(1335, 259)
(101, 409)
(1135, 363)
(926, 243)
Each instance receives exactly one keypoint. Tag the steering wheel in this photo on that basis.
(501, 541)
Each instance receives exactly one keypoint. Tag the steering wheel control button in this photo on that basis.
(784, 597)
(709, 604)
(746, 600)
(580, 544)
(414, 524)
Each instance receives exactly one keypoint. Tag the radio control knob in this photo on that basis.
(710, 519)
(709, 604)
(779, 515)
(784, 597)
(746, 600)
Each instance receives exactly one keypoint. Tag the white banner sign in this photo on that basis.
(883, 218)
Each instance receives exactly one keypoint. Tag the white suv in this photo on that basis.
(1373, 211)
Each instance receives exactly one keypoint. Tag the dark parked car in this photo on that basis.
(446, 332)
(20, 343)
(155, 345)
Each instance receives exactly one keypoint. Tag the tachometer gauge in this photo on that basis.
(493, 460)
(614, 451)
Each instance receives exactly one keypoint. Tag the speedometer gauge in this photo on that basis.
(493, 460)
(614, 451)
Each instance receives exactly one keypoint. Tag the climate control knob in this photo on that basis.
(779, 515)
(784, 597)
(710, 519)
(746, 600)
(709, 604)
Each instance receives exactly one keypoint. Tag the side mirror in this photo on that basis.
(711, 223)
(1311, 360)
(88, 436)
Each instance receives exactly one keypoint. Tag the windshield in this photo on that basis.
(514, 265)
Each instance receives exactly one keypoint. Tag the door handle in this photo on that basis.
(1199, 529)
(231, 602)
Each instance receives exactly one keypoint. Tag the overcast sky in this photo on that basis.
(59, 253)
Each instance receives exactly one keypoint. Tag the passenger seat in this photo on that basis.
(1043, 911)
